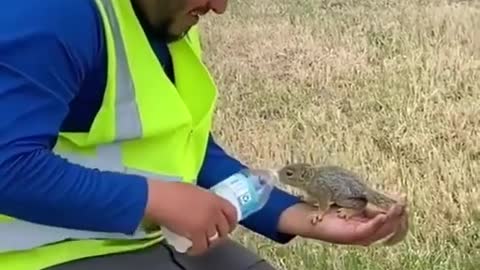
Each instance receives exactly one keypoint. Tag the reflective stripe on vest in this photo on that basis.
(107, 157)
(127, 115)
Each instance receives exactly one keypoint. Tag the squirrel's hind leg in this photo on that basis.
(351, 207)
(347, 213)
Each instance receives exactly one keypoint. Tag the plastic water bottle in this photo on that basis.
(247, 190)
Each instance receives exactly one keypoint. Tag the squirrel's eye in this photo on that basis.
(289, 173)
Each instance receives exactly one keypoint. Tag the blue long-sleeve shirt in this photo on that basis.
(52, 78)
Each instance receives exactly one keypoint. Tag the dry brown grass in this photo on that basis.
(388, 88)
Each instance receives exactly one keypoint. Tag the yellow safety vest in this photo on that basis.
(146, 126)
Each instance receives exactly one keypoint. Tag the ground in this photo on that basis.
(390, 89)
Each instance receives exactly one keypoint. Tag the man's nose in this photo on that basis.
(218, 6)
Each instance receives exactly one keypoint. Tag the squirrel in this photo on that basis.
(326, 186)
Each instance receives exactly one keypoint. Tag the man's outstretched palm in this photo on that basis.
(361, 230)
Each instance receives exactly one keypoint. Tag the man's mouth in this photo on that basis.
(199, 12)
(194, 14)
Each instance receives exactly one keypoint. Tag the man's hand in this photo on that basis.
(190, 211)
(359, 230)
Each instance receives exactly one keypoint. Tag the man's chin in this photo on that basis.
(169, 37)
(174, 37)
(168, 34)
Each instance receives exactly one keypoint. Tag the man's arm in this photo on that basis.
(218, 165)
(285, 216)
(46, 49)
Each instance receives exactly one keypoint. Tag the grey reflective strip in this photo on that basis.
(110, 156)
(128, 123)
(21, 235)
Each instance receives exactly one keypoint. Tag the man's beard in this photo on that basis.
(161, 31)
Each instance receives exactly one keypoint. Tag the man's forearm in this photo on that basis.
(41, 187)
(294, 220)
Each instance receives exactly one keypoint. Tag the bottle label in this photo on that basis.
(240, 190)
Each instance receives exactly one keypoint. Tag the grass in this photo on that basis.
(390, 89)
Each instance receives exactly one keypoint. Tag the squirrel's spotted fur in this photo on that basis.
(324, 186)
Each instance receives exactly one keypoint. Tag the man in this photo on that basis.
(89, 154)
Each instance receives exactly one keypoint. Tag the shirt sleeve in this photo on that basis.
(218, 165)
(43, 60)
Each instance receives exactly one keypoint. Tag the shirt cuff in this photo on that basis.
(218, 165)
(265, 222)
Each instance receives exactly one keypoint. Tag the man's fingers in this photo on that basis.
(400, 233)
(223, 226)
(212, 235)
(199, 244)
(364, 231)
(230, 213)
(390, 225)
